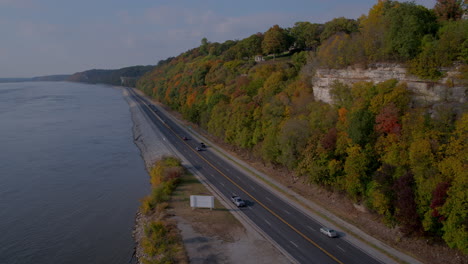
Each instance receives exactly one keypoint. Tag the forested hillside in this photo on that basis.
(403, 163)
(111, 77)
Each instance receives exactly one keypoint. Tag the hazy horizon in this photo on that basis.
(53, 37)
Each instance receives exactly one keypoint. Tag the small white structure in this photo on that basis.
(259, 58)
(201, 201)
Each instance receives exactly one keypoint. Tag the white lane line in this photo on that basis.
(267, 222)
(311, 228)
(294, 244)
(222, 184)
(251, 187)
(341, 248)
(286, 211)
(267, 198)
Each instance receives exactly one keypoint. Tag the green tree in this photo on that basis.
(453, 43)
(339, 24)
(204, 46)
(252, 45)
(306, 35)
(361, 126)
(275, 40)
(341, 95)
(456, 212)
(407, 23)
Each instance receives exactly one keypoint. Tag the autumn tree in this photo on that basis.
(405, 205)
(448, 9)
(387, 121)
(356, 170)
(454, 210)
(372, 28)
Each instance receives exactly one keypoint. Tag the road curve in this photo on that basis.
(295, 232)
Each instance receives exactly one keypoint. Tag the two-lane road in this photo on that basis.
(294, 231)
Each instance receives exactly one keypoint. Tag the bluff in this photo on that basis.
(450, 90)
(125, 76)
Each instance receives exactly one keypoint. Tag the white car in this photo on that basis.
(237, 201)
(328, 232)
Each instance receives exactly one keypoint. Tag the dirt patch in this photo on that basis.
(216, 236)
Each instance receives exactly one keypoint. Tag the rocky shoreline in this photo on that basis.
(151, 148)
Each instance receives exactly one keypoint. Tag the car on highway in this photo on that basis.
(198, 148)
(202, 145)
(328, 232)
(237, 201)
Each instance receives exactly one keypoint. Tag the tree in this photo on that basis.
(405, 205)
(339, 24)
(456, 213)
(306, 35)
(454, 210)
(453, 43)
(361, 126)
(407, 23)
(387, 120)
(252, 45)
(448, 9)
(293, 139)
(355, 169)
(372, 28)
(341, 95)
(275, 40)
(204, 46)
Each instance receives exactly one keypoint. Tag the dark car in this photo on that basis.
(202, 145)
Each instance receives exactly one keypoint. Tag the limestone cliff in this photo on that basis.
(448, 90)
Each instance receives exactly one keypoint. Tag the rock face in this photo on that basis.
(448, 90)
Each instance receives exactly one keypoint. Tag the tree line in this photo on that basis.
(405, 164)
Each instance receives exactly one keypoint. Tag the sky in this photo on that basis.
(46, 37)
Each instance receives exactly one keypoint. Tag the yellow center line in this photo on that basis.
(251, 196)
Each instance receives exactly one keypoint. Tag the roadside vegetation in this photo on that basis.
(161, 242)
(404, 164)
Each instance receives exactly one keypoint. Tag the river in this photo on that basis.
(70, 174)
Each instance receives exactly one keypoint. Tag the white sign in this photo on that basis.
(199, 201)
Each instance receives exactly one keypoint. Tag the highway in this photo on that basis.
(297, 233)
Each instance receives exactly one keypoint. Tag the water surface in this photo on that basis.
(70, 175)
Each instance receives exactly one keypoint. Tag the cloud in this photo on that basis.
(181, 23)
